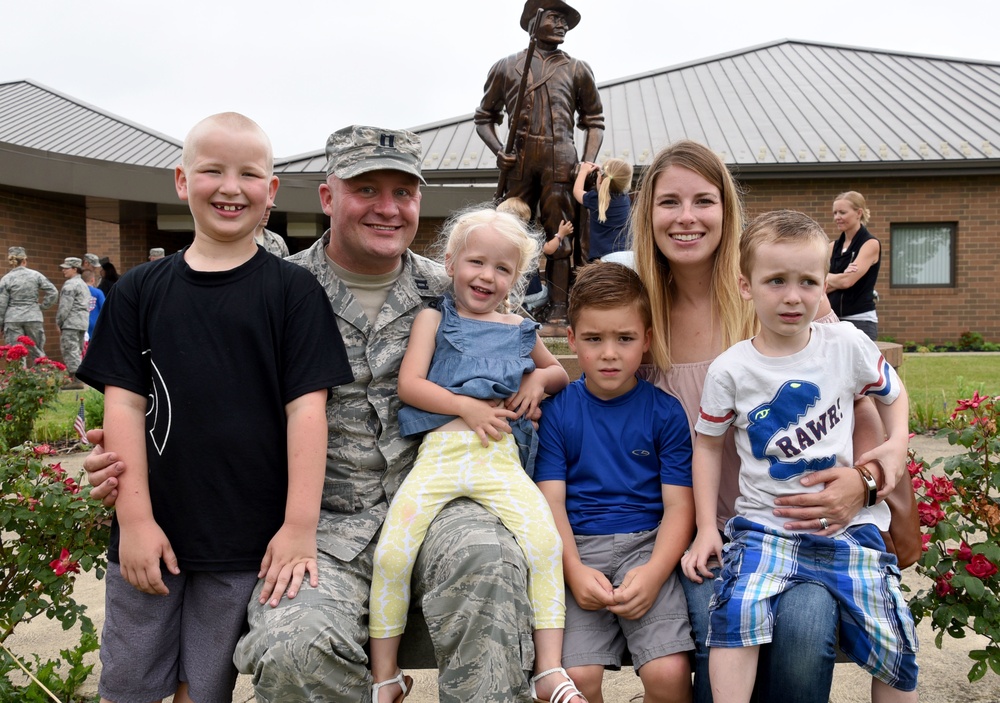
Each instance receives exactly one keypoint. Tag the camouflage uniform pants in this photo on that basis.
(471, 582)
(35, 330)
(71, 344)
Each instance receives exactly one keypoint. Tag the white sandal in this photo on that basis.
(405, 683)
(563, 693)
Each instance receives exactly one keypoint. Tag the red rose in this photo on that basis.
(925, 542)
(963, 553)
(943, 585)
(71, 485)
(26, 340)
(63, 565)
(981, 567)
(930, 513)
(16, 352)
(914, 467)
(940, 489)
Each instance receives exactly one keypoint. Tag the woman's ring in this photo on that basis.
(824, 523)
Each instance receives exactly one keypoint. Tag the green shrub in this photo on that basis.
(25, 389)
(52, 530)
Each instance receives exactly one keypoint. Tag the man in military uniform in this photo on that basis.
(541, 171)
(73, 318)
(20, 309)
(91, 262)
(470, 578)
(271, 241)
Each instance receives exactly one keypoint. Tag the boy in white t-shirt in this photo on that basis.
(790, 392)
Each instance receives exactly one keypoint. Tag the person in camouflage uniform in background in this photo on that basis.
(20, 310)
(73, 318)
(271, 241)
(470, 578)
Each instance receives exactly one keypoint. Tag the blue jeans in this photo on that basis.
(797, 667)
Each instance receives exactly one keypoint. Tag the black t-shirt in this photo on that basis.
(218, 355)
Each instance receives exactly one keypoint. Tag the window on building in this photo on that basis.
(923, 254)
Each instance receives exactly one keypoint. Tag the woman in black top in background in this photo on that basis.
(855, 259)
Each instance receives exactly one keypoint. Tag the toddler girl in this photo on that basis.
(472, 375)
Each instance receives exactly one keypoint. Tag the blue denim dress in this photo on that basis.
(479, 359)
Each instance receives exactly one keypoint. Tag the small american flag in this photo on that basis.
(80, 425)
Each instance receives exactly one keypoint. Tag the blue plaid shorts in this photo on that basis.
(760, 563)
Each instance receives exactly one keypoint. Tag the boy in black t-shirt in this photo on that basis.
(215, 363)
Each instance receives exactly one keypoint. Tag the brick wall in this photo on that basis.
(103, 239)
(49, 230)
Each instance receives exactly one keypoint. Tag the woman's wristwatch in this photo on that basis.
(870, 485)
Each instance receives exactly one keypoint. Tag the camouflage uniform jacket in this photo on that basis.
(274, 244)
(367, 459)
(74, 305)
(19, 295)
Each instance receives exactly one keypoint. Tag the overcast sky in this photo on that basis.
(303, 68)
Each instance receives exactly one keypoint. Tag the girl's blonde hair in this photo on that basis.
(735, 314)
(617, 179)
(15, 260)
(517, 207)
(857, 201)
(509, 229)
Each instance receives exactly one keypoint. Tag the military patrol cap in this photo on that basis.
(531, 8)
(156, 251)
(92, 259)
(357, 149)
(17, 252)
(71, 262)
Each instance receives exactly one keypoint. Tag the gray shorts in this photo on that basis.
(599, 636)
(150, 644)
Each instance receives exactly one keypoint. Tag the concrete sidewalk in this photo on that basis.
(942, 671)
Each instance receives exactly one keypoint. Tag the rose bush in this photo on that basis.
(24, 390)
(960, 514)
(52, 530)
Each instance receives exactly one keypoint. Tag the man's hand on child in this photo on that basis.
(485, 419)
(590, 588)
(103, 469)
(637, 593)
(290, 554)
(142, 547)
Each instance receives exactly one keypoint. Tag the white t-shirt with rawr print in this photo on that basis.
(794, 414)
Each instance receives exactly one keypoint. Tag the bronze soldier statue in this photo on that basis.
(542, 167)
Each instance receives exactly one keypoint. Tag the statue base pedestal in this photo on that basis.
(553, 329)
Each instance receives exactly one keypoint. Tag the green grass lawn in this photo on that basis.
(935, 381)
(55, 424)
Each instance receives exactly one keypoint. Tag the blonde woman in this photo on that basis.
(686, 226)
(855, 258)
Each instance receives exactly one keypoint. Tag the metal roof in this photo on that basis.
(33, 116)
(790, 106)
